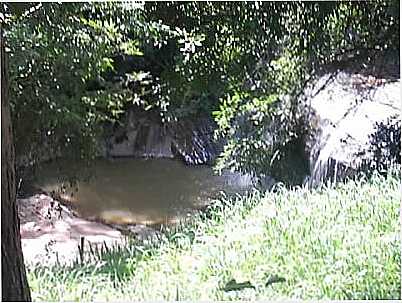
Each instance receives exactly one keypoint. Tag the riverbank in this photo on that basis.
(51, 232)
(339, 242)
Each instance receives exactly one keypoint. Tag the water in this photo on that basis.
(129, 191)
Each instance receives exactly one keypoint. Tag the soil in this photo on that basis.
(52, 232)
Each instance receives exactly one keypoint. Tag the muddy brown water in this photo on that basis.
(130, 191)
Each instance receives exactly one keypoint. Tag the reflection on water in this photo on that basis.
(128, 191)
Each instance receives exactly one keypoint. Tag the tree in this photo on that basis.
(14, 281)
(60, 55)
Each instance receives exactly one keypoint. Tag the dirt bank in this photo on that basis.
(51, 232)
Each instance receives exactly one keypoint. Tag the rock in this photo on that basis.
(193, 141)
(142, 134)
(349, 109)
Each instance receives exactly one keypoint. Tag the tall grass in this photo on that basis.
(336, 242)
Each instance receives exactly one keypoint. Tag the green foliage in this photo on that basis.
(334, 243)
(260, 121)
(55, 53)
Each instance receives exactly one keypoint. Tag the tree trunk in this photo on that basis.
(14, 281)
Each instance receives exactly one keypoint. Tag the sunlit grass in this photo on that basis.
(338, 242)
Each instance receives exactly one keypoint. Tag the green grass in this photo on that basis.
(337, 242)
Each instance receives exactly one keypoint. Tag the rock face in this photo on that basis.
(351, 111)
(143, 135)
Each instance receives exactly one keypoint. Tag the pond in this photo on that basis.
(141, 191)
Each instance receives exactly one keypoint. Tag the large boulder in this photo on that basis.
(351, 111)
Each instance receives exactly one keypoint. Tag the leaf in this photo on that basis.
(106, 64)
(232, 285)
(274, 279)
(131, 48)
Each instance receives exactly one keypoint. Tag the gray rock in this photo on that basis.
(142, 134)
(348, 108)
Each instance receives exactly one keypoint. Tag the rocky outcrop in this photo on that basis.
(357, 124)
(142, 134)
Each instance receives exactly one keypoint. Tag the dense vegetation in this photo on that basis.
(76, 66)
(337, 242)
